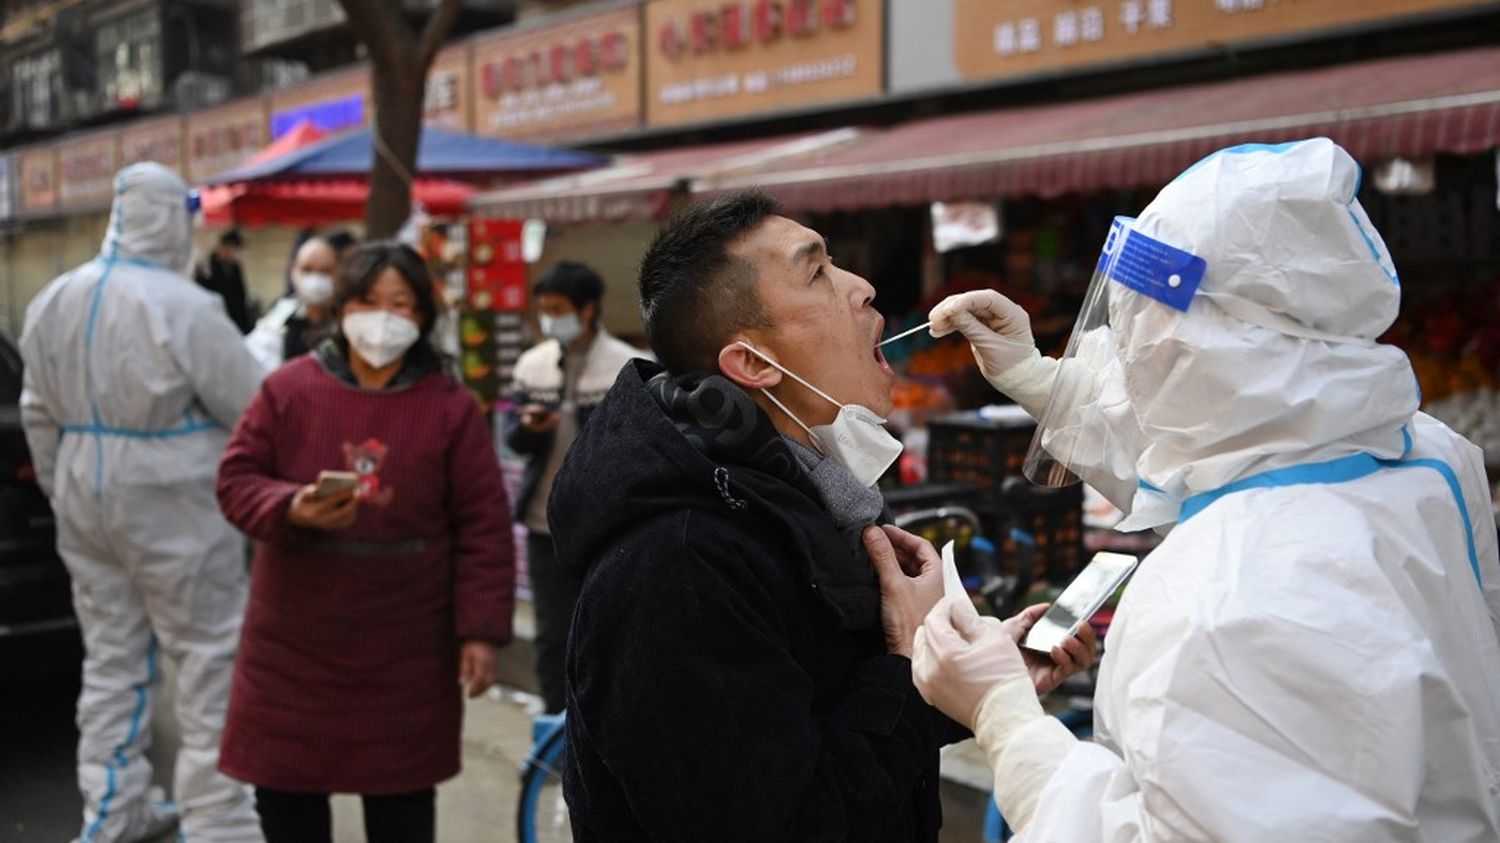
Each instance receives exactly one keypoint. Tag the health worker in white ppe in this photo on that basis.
(1313, 651)
(134, 376)
(297, 323)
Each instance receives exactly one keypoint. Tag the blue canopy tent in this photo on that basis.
(453, 155)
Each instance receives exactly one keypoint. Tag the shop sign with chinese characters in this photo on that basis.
(36, 175)
(152, 140)
(221, 138)
(446, 102)
(1030, 36)
(86, 172)
(711, 60)
(570, 79)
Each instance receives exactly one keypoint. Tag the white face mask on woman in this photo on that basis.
(314, 288)
(857, 438)
(380, 337)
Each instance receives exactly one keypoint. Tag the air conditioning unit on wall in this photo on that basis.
(193, 90)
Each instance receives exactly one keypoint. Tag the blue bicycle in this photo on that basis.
(541, 814)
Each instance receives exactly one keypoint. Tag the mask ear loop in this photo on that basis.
(813, 437)
(785, 371)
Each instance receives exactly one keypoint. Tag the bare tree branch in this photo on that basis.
(439, 24)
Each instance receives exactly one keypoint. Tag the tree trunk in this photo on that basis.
(398, 93)
(399, 60)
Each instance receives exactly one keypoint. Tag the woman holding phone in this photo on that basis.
(371, 599)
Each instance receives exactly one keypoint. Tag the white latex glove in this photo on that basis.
(999, 334)
(958, 658)
(971, 669)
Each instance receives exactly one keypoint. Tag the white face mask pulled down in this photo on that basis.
(380, 336)
(857, 438)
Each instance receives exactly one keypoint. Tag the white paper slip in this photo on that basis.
(953, 586)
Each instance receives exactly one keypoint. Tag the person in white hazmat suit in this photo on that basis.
(134, 376)
(1313, 651)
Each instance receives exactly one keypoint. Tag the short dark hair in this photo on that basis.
(574, 281)
(694, 293)
(341, 240)
(231, 238)
(358, 274)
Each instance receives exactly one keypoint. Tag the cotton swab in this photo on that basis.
(904, 334)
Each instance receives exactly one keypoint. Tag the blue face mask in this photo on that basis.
(564, 329)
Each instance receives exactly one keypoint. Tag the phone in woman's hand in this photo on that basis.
(333, 482)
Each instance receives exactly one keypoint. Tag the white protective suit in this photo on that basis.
(1313, 652)
(134, 376)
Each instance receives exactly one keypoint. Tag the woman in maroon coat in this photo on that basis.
(367, 606)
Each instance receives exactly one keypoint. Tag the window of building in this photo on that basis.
(35, 92)
(129, 61)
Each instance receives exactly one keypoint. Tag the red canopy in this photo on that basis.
(305, 203)
(309, 202)
(300, 135)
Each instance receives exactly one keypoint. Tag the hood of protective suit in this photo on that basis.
(1275, 361)
(149, 220)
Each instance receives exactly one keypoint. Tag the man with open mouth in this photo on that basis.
(736, 671)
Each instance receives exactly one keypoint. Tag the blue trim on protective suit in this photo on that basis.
(88, 370)
(1279, 148)
(1240, 149)
(130, 433)
(119, 761)
(1342, 470)
(1370, 241)
(1458, 497)
(97, 428)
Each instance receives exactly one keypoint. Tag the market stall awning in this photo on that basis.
(440, 153)
(1411, 106)
(311, 202)
(642, 186)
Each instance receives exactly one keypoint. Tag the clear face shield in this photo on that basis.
(1088, 429)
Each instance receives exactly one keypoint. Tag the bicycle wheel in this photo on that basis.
(542, 815)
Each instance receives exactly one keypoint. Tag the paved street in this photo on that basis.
(39, 803)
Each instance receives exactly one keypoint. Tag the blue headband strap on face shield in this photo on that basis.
(1150, 267)
(194, 202)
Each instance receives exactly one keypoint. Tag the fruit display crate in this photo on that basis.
(987, 450)
(1053, 518)
(978, 450)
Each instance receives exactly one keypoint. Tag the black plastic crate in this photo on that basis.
(903, 500)
(970, 449)
(1054, 520)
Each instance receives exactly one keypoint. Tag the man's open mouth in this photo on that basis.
(880, 353)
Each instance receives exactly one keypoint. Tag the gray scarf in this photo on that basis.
(852, 506)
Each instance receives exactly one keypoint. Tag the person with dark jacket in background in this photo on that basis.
(557, 384)
(221, 274)
(736, 671)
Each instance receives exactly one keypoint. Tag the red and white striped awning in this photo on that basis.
(643, 186)
(1411, 106)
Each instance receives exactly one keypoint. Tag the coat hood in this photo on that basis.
(1275, 362)
(149, 220)
(659, 446)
